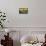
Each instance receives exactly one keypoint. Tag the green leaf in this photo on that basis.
(2, 26)
(4, 16)
(3, 19)
(0, 12)
(4, 13)
(0, 21)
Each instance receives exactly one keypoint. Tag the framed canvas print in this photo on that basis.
(23, 10)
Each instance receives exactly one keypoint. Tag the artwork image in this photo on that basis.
(23, 10)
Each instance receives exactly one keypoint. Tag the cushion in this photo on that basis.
(26, 39)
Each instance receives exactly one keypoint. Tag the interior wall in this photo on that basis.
(36, 16)
(35, 20)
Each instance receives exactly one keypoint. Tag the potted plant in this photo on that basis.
(2, 19)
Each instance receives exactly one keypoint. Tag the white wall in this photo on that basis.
(35, 20)
(36, 16)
